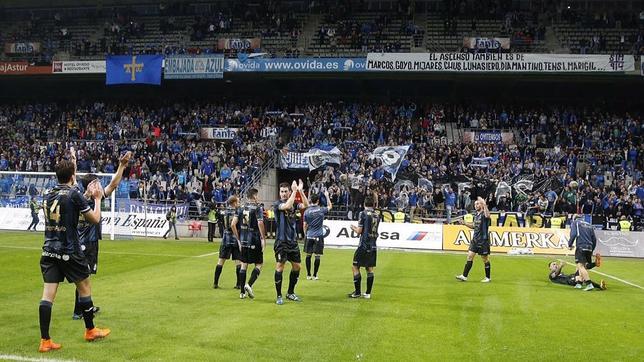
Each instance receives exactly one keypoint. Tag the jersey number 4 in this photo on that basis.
(53, 213)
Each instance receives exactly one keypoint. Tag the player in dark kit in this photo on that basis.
(366, 253)
(62, 257)
(480, 241)
(583, 234)
(89, 234)
(313, 228)
(248, 227)
(229, 246)
(286, 248)
(557, 276)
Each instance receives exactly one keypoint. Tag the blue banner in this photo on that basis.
(295, 65)
(204, 66)
(133, 69)
(391, 157)
(488, 137)
(293, 160)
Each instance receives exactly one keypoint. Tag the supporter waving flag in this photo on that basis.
(392, 157)
(318, 157)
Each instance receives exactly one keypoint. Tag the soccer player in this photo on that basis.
(286, 248)
(313, 227)
(34, 206)
(89, 234)
(557, 276)
(62, 257)
(248, 227)
(584, 234)
(366, 253)
(480, 241)
(229, 246)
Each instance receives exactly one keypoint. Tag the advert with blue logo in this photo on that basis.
(296, 65)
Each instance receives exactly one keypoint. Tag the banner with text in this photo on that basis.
(302, 65)
(216, 133)
(22, 48)
(488, 137)
(510, 62)
(486, 43)
(204, 66)
(620, 243)
(390, 235)
(79, 67)
(504, 239)
(291, 159)
(23, 68)
(239, 44)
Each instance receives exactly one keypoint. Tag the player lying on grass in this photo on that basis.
(574, 280)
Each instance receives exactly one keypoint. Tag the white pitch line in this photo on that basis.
(13, 357)
(205, 255)
(117, 252)
(609, 276)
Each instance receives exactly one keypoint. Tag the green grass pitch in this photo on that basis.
(157, 298)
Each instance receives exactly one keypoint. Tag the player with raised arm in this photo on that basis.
(313, 228)
(286, 248)
(89, 234)
(62, 257)
(366, 253)
(480, 241)
(229, 242)
(248, 228)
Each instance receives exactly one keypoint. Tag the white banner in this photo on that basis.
(126, 223)
(78, 67)
(294, 160)
(211, 133)
(486, 43)
(511, 62)
(391, 235)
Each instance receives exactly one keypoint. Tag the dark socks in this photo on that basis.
(44, 313)
(242, 278)
(468, 266)
(308, 265)
(237, 269)
(316, 266)
(87, 306)
(369, 282)
(278, 283)
(218, 269)
(357, 279)
(77, 308)
(590, 266)
(292, 281)
(487, 270)
(253, 276)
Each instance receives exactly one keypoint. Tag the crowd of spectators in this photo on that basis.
(599, 151)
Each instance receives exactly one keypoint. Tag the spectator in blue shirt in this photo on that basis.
(450, 202)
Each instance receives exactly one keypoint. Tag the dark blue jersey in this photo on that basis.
(88, 233)
(314, 218)
(584, 234)
(227, 217)
(481, 228)
(369, 221)
(248, 218)
(286, 225)
(63, 205)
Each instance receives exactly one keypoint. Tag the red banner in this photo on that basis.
(21, 68)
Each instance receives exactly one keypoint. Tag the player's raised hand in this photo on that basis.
(294, 186)
(96, 190)
(300, 186)
(125, 158)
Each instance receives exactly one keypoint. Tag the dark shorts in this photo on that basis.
(583, 256)
(314, 246)
(363, 258)
(252, 254)
(481, 247)
(70, 267)
(282, 255)
(230, 251)
(91, 256)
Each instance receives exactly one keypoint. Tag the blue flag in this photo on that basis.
(133, 69)
(391, 157)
